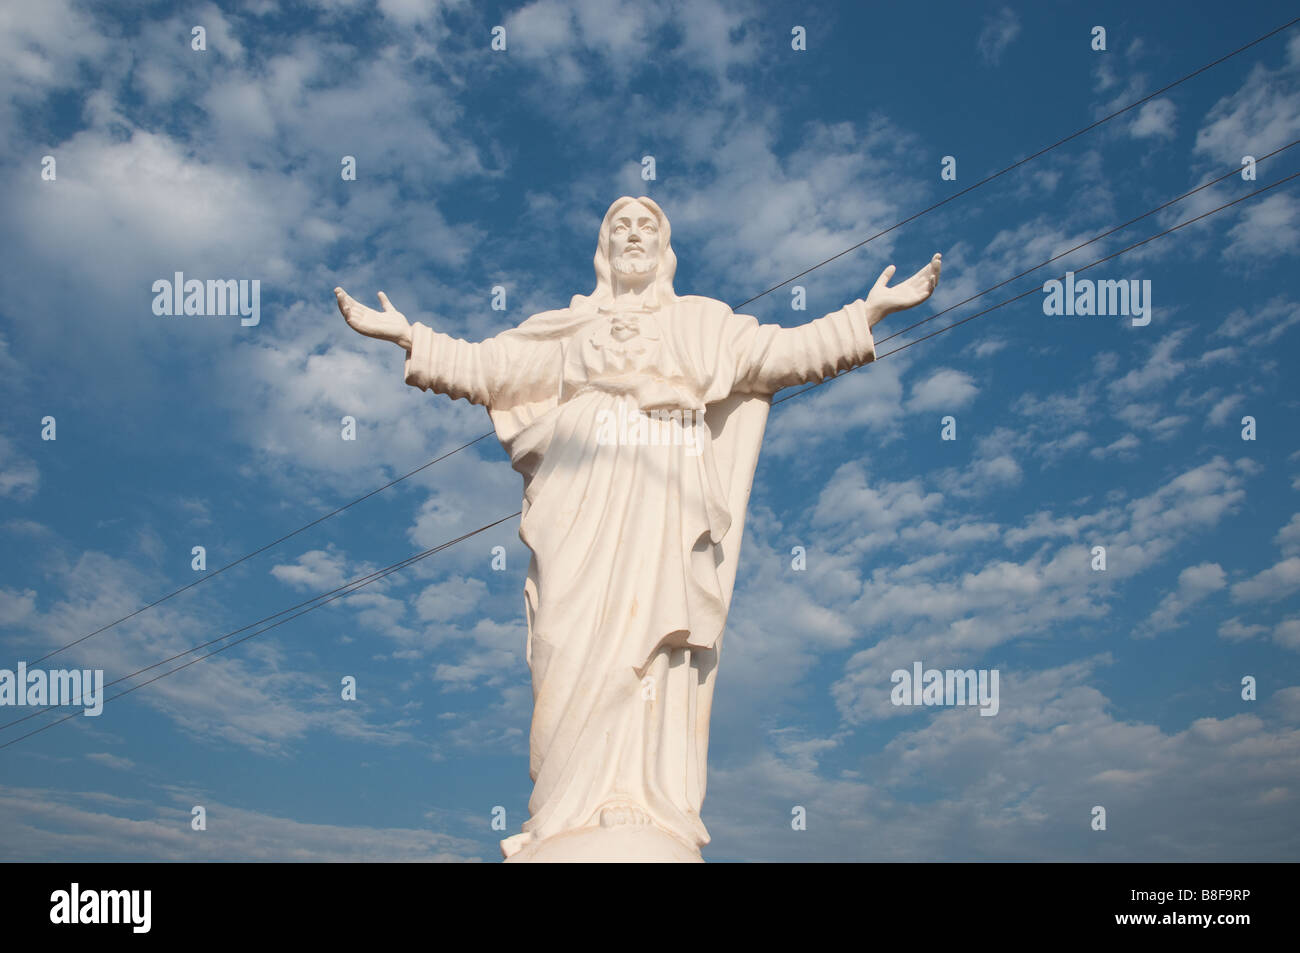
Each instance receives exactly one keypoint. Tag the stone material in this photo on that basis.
(635, 417)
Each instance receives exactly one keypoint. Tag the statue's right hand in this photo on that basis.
(387, 325)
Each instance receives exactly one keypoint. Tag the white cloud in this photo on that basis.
(944, 389)
(1154, 119)
(869, 398)
(41, 46)
(1160, 368)
(851, 502)
(1287, 633)
(253, 696)
(1234, 630)
(980, 603)
(988, 348)
(316, 570)
(1020, 786)
(1262, 325)
(1195, 583)
(1119, 448)
(1000, 29)
(1288, 537)
(450, 598)
(1269, 228)
(1274, 583)
(62, 825)
(16, 606)
(1219, 413)
(19, 476)
(553, 36)
(111, 761)
(1260, 116)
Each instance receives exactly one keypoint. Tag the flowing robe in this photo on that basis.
(634, 531)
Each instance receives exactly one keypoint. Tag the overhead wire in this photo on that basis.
(348, 588)
(359, 583)
(231, 565)
(338, 593)
(989, 178)
(1041, 152)
(1036, 288)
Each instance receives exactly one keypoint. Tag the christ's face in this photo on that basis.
(634, 240)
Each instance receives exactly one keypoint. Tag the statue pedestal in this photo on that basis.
(622, 843)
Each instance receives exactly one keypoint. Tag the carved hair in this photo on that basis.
(663, 283)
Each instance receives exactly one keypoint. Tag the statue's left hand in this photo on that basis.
(884, 299)
(387, 325)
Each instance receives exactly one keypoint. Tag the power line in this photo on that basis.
(363, 581)
(1099, 261)
(357, 583)
(244, 558)
(806, 271)
(1015, 165)
(351, 587)
(1038, 288)
(1236, 170)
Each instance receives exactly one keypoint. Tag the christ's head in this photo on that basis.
(634, 241)
(634, 250)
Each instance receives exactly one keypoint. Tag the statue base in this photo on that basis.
(605, 843)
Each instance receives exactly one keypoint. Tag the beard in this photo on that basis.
(625, 265)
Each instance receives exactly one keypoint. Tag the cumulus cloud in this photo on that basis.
(316, 570)
(19, 476)
(1195, 583)
(999, 30)
(1269, 228)
(95, 826)
(1021, 785)
(944, 389)
(1154, 120)
(1270, 585)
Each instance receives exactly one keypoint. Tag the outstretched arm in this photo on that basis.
(772, 357)
(434, 361)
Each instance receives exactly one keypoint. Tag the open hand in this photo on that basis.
(387, 325)
(884, 299)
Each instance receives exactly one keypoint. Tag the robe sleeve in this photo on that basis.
(769, 357)
(447, 365)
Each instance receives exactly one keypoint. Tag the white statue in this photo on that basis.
(635, 417)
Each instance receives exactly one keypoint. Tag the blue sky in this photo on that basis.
(478, 168)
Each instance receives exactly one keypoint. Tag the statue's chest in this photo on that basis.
(632, 354)
(624, 342)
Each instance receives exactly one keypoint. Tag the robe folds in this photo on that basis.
(634, 531)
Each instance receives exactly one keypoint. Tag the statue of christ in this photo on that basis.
(635, 417)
